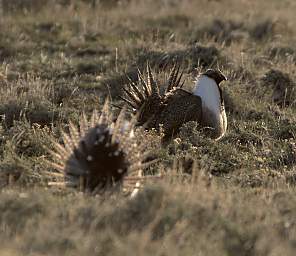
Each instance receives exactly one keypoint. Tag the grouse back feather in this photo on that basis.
(180, 107)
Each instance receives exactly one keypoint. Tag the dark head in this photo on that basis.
(217, 75)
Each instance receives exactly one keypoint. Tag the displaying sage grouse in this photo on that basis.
(99, 155)
(175, 106)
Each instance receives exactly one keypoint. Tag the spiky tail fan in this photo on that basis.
(146, 97)
(99, 155)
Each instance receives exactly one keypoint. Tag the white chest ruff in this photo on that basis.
(207, 89)
(213, 112)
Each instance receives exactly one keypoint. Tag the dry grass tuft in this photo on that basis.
(282, 85)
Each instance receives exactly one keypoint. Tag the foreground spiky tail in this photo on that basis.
(99, 154)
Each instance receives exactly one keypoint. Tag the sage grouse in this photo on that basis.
(175, 106)
(100, 154)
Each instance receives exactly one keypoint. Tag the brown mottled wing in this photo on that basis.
(180, 107)
(149, 111)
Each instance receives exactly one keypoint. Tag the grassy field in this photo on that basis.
(58, 59)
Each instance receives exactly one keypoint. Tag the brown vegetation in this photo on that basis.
(234, 197)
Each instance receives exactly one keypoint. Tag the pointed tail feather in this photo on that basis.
(175, 78)
(151, 82)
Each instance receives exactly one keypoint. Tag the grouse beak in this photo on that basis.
(224, 77)
(221, 76)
